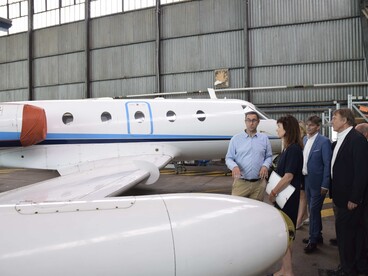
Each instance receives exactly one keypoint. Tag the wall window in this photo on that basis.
(55, 12)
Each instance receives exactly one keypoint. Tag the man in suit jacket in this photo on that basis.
(363, 259)
(349, 181)
(316, 170)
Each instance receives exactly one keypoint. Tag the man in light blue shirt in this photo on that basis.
(249, 157)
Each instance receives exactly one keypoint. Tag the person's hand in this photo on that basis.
(323, 192)
(271, 198)
(235, 173)
(263, 173)
(352, 205)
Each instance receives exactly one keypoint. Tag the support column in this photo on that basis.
(157, 47)
(364, 27)
(30, 50)
(246, 49)
(87, 81)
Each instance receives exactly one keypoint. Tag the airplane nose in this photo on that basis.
(225, 235)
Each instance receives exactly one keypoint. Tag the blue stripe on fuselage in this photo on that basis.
(72, 138)
(80, 136)
(9, 136)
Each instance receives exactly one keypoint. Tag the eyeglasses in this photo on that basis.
(251, 121)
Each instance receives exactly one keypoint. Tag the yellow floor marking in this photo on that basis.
(327, 213)
(327, 200)
(5, 171)
(192, 173)
(167, 172)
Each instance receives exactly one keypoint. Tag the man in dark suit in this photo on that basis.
(349, 181)
(316, 170)
(363, 258)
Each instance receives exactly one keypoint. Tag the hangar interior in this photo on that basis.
(297, 57)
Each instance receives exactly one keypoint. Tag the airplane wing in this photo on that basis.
(92, 180)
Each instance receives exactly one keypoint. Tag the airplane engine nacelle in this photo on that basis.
(169, 235)
(22, 123)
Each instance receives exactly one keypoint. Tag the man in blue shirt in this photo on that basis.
(249, 157)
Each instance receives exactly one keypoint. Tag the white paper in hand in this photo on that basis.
(284, 195)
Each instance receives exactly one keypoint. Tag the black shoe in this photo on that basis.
(333, 242)
(319, 240)
(340, 272)
(363, 272)
(331, 272)
(310, 248)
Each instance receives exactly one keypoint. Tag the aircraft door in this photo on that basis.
(139, 117)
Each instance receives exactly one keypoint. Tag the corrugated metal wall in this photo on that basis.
(123, 54)
(290, 42)
(13, 68)
(300, 42)
(199, 37)
(58, 62)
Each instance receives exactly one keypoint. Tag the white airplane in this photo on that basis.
(75, 225)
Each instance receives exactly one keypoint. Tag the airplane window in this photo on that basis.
(201, 116)
(139, 116)
(105, 116)
(171, 116)
(67, 118)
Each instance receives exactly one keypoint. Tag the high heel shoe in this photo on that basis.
(299, 226)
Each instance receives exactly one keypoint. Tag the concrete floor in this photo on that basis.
(208, 179)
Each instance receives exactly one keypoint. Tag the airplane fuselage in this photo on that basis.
(96, 129)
